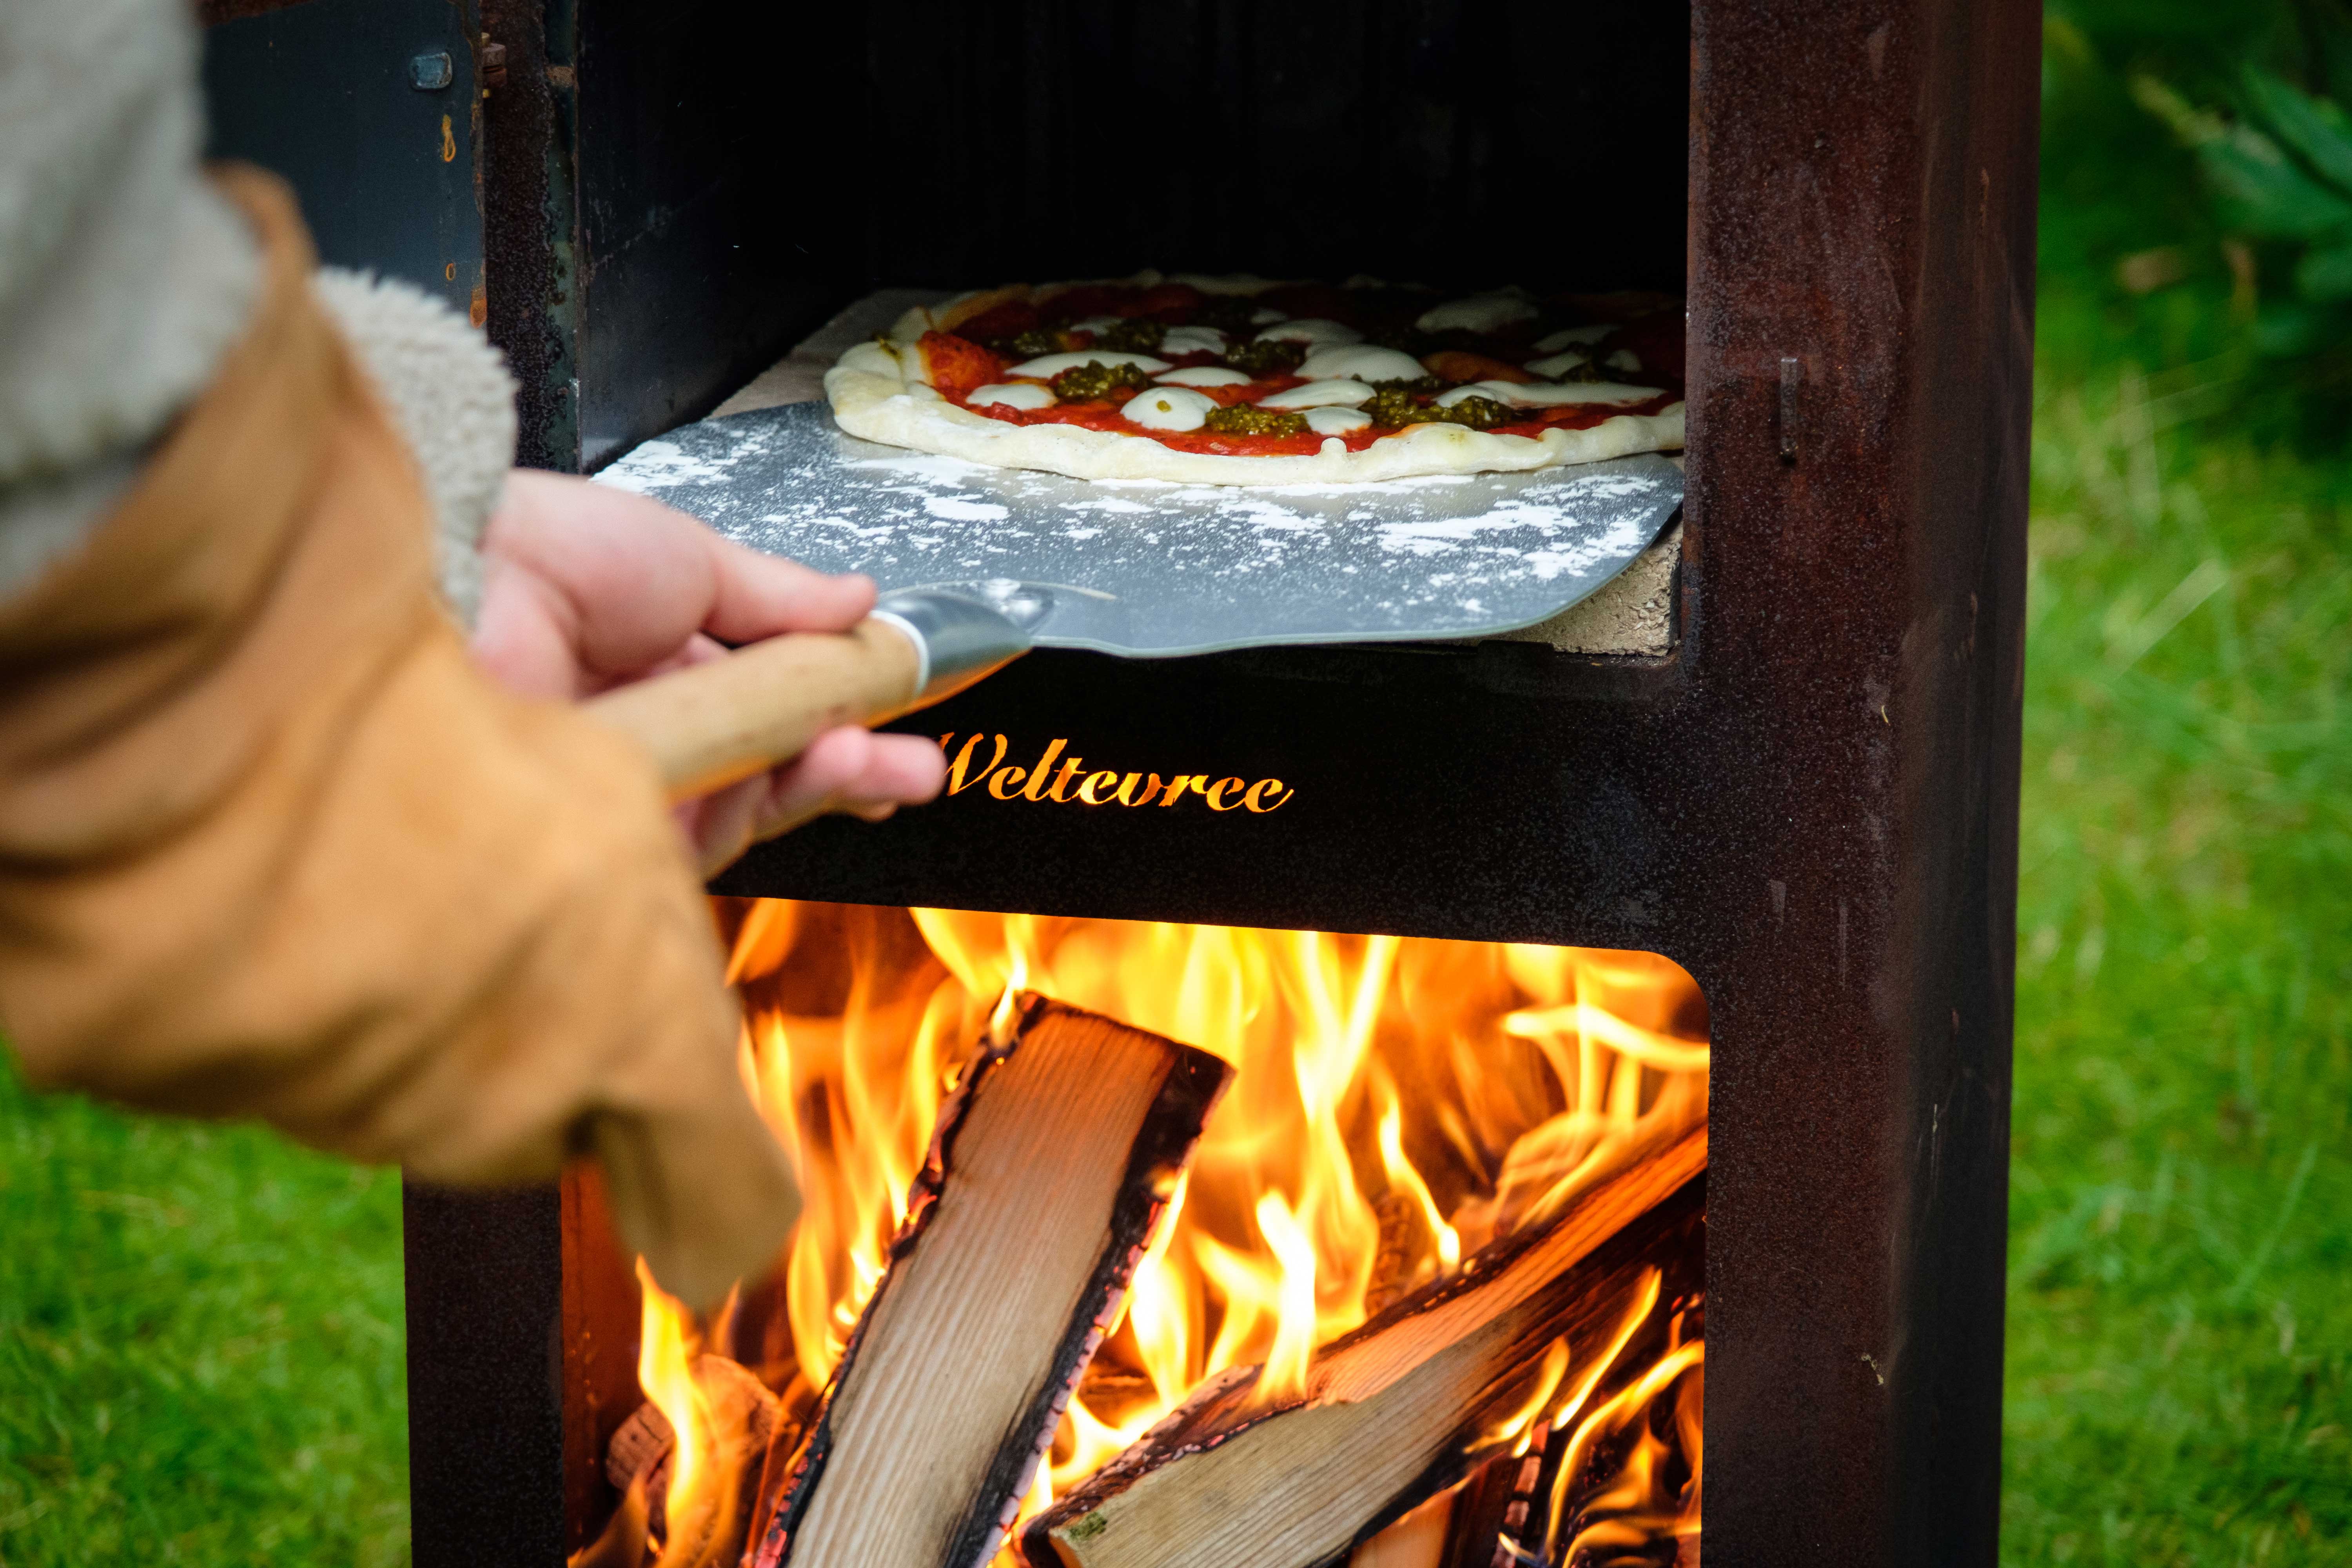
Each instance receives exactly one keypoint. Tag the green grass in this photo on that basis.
(2179, 1380)
(200, 1346)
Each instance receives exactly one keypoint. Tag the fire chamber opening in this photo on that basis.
(1399, 1114)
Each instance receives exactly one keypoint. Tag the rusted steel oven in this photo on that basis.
(1809, 801)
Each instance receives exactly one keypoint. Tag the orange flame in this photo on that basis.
(668, 1342)
(1638, 1506)
(1396, 1104)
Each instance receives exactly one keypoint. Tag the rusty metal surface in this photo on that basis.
(1862, 197)
(527, 226)
(1812, 806)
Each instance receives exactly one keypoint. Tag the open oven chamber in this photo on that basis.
(1809, 803)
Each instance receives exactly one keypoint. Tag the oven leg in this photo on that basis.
(485, 1276)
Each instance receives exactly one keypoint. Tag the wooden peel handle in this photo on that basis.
(713, 724)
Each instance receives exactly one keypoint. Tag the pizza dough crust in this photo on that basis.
(879, 392)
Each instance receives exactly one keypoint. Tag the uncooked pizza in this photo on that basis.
(1208, 380)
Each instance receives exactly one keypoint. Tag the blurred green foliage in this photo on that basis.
(2200, 163)
(2179, 1385)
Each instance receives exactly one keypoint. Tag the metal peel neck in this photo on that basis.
(957, 639)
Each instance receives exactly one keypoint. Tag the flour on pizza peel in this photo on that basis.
(1240, 380)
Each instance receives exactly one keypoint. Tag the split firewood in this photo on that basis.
(1502, 1515)
(1053, 1162)
(1397, 1219)
(1502, 1506)
(1393, 1410)
(707, 1528)
(639, 1444)
(713, 1524)
(1416, 1541)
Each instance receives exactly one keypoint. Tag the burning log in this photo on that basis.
(1504, 1514)
(1391, 1411)
(1488, 1527)
(714, 1518)
(1417, 1540)
(1052, 1163)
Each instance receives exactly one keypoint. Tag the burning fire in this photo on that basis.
(1397, 1103)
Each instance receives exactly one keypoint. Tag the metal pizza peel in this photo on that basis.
(978, 564)
(1151, 570)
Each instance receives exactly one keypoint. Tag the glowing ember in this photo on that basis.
(1397, 1104)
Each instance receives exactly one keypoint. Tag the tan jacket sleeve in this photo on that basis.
(270, 846)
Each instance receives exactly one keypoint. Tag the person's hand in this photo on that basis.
(587, 587)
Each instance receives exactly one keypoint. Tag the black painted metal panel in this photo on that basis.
(1457, 144)
(704, 128)
(326, 94)
(485, 1377)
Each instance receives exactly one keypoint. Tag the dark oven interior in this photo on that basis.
(1807, 804)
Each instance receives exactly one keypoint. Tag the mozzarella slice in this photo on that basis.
(1547, 368)
(1625, 360)
(1478, 314)
(1320, 395)
(1547, 394)
(1192, 341)
(1170, 408)
(1265, 313)
(1012, 395)
(1359, 361)
(1203, 375)
(1569, 337)
(1047, 367)
(1336, 421)
(1097, 323)
(1312, 331)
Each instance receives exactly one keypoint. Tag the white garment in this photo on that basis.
(124, 278)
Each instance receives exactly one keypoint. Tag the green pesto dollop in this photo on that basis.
(1092, 382)
(1137, 336)
(1478, 413)
(1393, 407)
(1270, 356)
(1028, 345)
(1429, 385)
(1249, 419)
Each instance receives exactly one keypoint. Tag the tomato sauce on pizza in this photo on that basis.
(1289, 369)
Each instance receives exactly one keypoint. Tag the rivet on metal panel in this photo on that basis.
(432, 70)
(1791, 372)
(491, 64)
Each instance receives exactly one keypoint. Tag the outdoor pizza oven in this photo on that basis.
(1805, 796)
